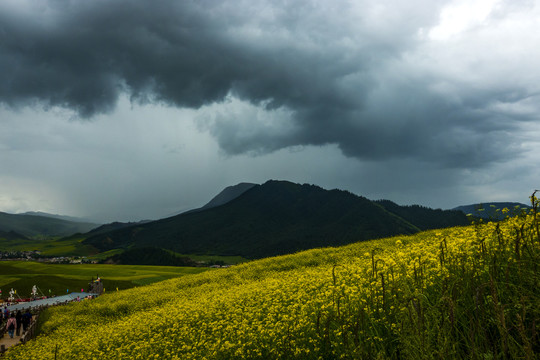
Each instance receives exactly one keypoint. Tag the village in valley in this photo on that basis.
(35, 255)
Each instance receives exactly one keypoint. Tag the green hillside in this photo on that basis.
(458, 293)
(275, 218)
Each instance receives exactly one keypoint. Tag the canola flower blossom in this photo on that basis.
(436, 294)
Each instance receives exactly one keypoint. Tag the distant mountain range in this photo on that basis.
(56, 216)
(249, 220)
(30, 225)
(277, 217)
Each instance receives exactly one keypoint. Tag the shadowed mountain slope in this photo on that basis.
(425, 218)
(150, 256)
(228, 194)
(275, 218)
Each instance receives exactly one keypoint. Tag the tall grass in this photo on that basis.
(480, 299)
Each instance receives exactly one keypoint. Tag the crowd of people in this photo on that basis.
(14, 321)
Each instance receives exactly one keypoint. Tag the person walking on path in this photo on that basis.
(11, 325)
(18, 318)
(26, 319)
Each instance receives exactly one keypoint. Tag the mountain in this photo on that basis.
(277, 217)
(102, 229)
(56, 216)
(492, 210)
(228, 194)
(425, 218)
(33, 225)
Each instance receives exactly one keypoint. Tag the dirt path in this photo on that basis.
(8, 342)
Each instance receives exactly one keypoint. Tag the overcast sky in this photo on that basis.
(131, 109)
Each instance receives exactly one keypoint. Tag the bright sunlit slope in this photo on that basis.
(464, 292)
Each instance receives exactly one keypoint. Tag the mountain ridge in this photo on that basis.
(274, 218)
(224, 196)
(423, 217)
(34, 225)
(228, 194)
(57, 216)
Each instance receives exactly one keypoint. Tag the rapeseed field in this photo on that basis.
(459, 293)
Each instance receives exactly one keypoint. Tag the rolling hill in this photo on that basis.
(11, 235)
(274, 218)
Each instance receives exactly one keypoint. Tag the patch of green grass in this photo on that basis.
(5, 280)
(22, 275)
(22, 244)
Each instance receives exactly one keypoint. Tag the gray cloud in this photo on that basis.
(366, 76)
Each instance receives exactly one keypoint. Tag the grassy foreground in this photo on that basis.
(22, 275)
(467, 292)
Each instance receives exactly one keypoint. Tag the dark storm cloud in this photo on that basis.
(337, 70)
